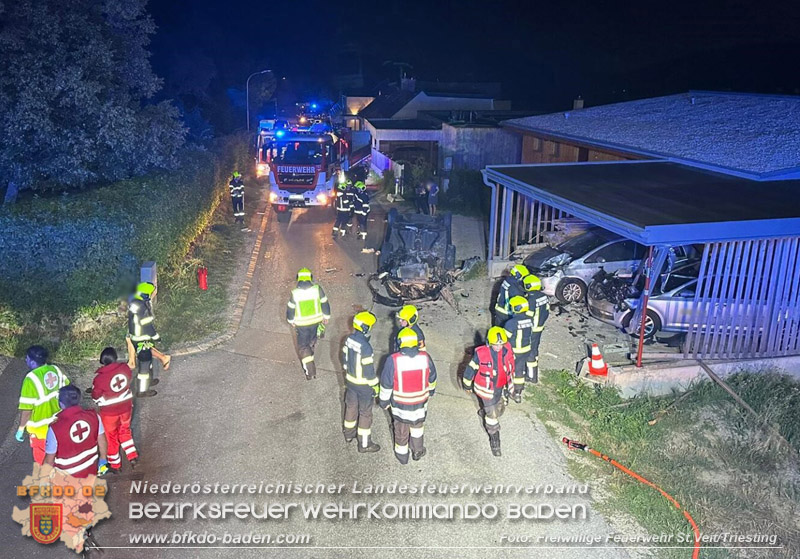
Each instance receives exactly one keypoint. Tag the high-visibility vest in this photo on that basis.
(519, 329)
(76, 431)
(411, 376)
(307, 306)
(539, 310)
(488, 378)
(111, 389)
(40, 395)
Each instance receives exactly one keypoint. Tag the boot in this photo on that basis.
(494, 443)
(418, 455)
(371, 446)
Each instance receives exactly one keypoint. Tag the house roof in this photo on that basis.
(386, 106)
(661, 202)
(747, 134)
(404, 124)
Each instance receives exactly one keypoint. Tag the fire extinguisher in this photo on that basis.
(202, 277)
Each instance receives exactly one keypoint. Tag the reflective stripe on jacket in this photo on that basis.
(488, 372)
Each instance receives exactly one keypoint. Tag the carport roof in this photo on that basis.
(657, 202)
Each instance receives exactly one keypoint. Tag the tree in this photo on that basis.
(72, 84)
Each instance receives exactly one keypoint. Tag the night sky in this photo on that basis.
(544, 53)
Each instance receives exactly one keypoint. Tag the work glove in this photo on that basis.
(20, 436)
(376, 389)
(102, 467)
(321, 330)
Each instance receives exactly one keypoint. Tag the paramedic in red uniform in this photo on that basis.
(76, 442)
(111, 391)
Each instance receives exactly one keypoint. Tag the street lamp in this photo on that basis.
(247, 89)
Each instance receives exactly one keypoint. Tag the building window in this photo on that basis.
(537, 144)
(554, 149)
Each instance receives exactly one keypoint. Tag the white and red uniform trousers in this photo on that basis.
(539, 311)
(343, 204)
(361, 210)
(489, 374)
(361, 387)
(510, 287)
(111, 391)
(408, 380)
(519, 329)
(76, 431)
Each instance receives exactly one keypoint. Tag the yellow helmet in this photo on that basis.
(531, 283)
(146, 288)
(304, 274)
(408, 338)
(496, 335)
(519, 271)
(519, 304)
(364, 321)
(409, 314)
(360, 185)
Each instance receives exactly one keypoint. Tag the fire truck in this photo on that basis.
(302, 168)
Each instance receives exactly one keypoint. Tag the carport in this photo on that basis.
(747, 299)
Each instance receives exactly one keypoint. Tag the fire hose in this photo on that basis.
(575, 445)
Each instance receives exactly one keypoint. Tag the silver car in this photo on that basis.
(567, 268)
(669, 307)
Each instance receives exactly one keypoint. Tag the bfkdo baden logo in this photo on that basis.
(62, 507)
(46, 522)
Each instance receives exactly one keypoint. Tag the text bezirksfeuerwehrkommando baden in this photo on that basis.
(354, 488)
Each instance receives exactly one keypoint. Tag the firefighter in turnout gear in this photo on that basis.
(142, 336)
(236, 187)
(519, 329)
(539, 311)
(408, 380)
(111, 391)
(308, 311)
(408, 317)
(511, 286)
(489, 373)
(361, 383)
(76, 442)
(343, 205)
(361, 208)
(38, 404)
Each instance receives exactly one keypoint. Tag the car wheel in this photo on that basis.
(571, 291)
(652, 325)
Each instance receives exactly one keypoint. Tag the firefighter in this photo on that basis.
(38, 404)
(519, 329)
(343, 205)
(76, 441)
(361, 208)
(489, 374)
(408, 380)
(308, 311)
(141, 338)
(408, 317)
(236, 187)
(511, 286)
(539, 311)
(361, 383)
(111, 391)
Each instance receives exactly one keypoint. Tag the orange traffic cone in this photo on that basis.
(597, 366)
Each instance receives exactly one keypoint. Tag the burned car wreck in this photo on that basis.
(416, 261)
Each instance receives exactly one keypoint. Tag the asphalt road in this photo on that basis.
(244, 414)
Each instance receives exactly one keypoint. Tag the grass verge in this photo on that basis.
(705, 451)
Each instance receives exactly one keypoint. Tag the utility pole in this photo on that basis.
(247, 93)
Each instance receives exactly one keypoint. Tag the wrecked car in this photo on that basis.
(416, 261)
(567, 268)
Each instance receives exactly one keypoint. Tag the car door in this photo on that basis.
(621, 255)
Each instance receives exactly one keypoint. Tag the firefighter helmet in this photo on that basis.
(342, 186)
(236, 174)
(364, 321)
(409, 314)
(145, 288)
(519, 304)
(360, 185)
(519, 271)
(408, 338)
(531, 283)
(496, 335)
(304, 274)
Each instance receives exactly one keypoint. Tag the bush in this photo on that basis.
(389, 180)
(68, 254)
